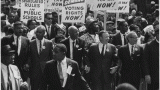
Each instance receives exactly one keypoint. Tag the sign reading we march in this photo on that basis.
(105, 4)
(123, 7)
(73, 11)
(32, 9)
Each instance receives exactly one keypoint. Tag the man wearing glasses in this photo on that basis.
(131, 61)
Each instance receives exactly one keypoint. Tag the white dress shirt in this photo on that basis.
(64, 70)
(71, 47)
(48, 30)
(100, 48)
(130, 48)
(38, 44)
(5, 74)
(122, 38)
(19, 43)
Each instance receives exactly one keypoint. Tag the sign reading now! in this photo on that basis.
(53, 6)
(73, 11)
(123, 7)
(105, 4)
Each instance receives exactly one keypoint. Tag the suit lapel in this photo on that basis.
(22, 44)
(128, 51)
(44, 45)
(119, 39)
(36, 48)
(68, 76)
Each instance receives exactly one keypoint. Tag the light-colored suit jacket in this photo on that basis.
(14, 77)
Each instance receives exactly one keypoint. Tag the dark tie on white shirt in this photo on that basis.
(60, 73)
(124, 39)
(40, 46)
(102, 50)
(49, 30)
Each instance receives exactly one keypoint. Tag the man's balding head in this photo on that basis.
(40, 31)
(132, 37)
(73, 32)
(125, 86)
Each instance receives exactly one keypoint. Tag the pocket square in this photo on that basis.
(138, 55)
(80, 49)
(72, 74)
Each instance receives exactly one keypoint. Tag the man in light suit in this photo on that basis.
(21, 46)
(10, 75)
(132, 64)
(62, 73)
(102, 57)
(75, 47)
(40, 53)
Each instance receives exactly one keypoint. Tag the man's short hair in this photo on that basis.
(17, 23)
(59, 37)
(125, 86)
(129, 34)
(40, 26)
(133, 27)
(61, 47)
(101, 33)
(121, 23)
(46, 14)
(54, 13)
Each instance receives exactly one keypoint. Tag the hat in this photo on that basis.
(109, 22)
(6, 50)
(152, 2)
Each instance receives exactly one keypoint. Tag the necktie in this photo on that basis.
(49, 30)
(102, 52)
(17, 43)
(60, 73)
(132, 52)
(9, 84)
(73, 48)
(40, 47)
(124, 39)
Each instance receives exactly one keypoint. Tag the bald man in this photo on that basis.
(132, 64)
(40, 52)
(75, 47)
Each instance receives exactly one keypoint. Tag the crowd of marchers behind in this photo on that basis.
(52, 55)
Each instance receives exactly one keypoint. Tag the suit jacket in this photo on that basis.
(14, 77)
(53, 31)
(79, 51)
(151, 55)
(37, 61)
(51, 79)
(116, 40)
(22, 58)
(101, 63)
(131, 65)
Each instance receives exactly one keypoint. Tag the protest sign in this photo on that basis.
(3, 1)
(73, 11)
(32, 9)
(18, 3)
(123, 7)
(105, 4)
(53, 6)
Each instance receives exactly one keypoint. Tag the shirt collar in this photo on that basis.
(157, 41)
(63, 61)
(15, 37)
(39, 40)
(131, 45)
(72, 40)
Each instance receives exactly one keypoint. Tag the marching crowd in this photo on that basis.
(81, 56)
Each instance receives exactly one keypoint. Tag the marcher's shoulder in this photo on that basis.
(111, 45)
(32, 41)
(49, 41)
(7, 37)
(50, 61)
(72, 61)
(94, 45)
(64, 40)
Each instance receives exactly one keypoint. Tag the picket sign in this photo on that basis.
(105, 19)
(32, 10)
(73, 11)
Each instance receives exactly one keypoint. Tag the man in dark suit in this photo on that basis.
(151, 55)
(131, 61)
(62, 73)
(75, 47)
(102, 57)
(40, 53)
(21, 46)
(119, 39)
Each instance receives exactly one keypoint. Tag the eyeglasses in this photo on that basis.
(49, 18)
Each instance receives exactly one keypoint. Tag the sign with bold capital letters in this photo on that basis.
(105, 4)
(73, 11)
